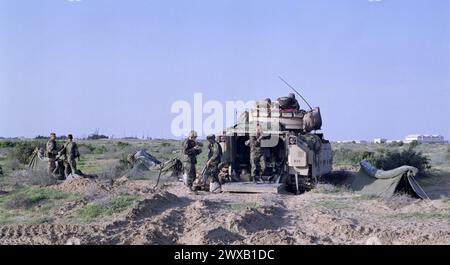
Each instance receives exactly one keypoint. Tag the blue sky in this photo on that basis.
(376, 69)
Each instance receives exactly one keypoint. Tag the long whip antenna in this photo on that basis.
(284, 81)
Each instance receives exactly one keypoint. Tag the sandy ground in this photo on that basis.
(172, 215)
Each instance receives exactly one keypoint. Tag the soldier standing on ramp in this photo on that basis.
(257, 158)
(214, 159)
(52, 151)
(191, 150)
(70, 150)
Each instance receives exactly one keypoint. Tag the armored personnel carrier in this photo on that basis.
(296, 154)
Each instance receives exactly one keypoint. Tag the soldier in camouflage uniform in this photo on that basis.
(52, 152)
(257, 158)
(70, 151)
(191, 149)
(214, 159)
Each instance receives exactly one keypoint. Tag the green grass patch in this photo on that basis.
(31, 205)
(99, 210)
(29, 197)
(333, 204)
(244, 205)
(422, 215)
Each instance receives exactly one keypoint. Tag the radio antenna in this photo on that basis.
(284, 81)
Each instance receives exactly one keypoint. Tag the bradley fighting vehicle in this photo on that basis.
(296, 155)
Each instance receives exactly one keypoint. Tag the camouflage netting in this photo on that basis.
(38, 160)
(142, 162)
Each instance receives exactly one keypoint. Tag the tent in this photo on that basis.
(372, 181)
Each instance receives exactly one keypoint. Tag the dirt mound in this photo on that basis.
(254, 220)
(175, 216)
(83, 186)
(155, 204)
(221, 235)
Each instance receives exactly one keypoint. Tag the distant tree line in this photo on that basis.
(97, 137)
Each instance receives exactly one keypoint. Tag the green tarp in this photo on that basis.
(372, 181)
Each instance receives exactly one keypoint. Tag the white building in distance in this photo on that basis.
(425, 139)
(379, 141)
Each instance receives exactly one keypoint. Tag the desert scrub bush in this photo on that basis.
(115, 169)
(105, 208)
(86, 148)
(6, 144)
(122, 145)
(23, 150)
(100, 150)
(390, 159)
(36, 177)
(29, 197)
(413, 144)
(12, 164)
(346, 156)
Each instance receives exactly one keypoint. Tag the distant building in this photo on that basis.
(425, 139)
(346, 141)
(394, 141)
(379, 141)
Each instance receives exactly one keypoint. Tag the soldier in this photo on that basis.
(295, 104)
(191, 149)
(257, 158)
(214, 159)
(70, 150)
(52, 152)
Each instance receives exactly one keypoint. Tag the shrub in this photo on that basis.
(4, 144)
(36, 177)
(12, 163)
(122, 145)
(84, 150)
(388, 160)
(100, 150)
(448, 153)
(88, 147)
(349, 156)
(113, 170)
(1, 171)
(413, 144)
(22, 151)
